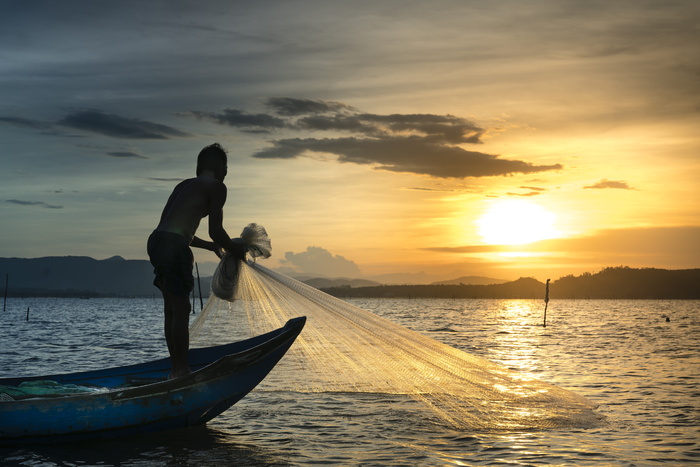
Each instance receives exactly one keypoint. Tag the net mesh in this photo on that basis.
(344, 348)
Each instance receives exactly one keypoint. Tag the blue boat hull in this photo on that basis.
(140, 399)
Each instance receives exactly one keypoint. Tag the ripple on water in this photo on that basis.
(642, 373)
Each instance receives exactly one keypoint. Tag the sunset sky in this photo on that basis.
(435, 139)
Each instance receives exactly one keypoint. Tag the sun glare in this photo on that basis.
(516, 222)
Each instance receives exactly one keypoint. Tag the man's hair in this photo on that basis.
(211, 158)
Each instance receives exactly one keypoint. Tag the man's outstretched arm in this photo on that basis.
(211, 246)
(216, 221)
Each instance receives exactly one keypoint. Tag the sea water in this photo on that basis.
(638, 360)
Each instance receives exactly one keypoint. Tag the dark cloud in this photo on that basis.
(533, 191)
(423, 144)
(254, 123)
(526, 195)
(26, 123)
(294, 107)
(419, 188)
(351, 123)
(96, 121)
(635, 246)
(33, 203)
(126, 154)
(405, 154)
(46, 128)
(605, 183)
(436, 128)
(319, 261)
(157, 179)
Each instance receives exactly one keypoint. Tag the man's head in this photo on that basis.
(214, 158)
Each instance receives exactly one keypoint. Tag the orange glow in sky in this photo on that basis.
(431, 141)
(515, 222)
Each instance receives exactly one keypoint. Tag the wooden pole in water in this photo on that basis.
(27, 313)
(4, 304)
(201, 302)
(546, 302)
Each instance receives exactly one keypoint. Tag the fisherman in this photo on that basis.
(169, 246)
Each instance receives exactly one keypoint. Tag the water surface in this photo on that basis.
(641, 370)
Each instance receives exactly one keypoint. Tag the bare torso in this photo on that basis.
(189, 203)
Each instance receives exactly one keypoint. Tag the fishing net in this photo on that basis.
(346, 349)
(254, 241)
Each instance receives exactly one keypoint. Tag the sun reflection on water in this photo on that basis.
(521, 348)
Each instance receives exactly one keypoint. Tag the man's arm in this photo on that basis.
(216, 221)
(211, 246)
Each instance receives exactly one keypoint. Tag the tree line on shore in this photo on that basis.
(117, 277)
(610, 283)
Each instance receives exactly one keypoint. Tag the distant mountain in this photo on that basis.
(116, 276)
(624, 282)
(521, 288)
(115, 258)
(610, 283)
(471, 280)
(77, 275)
(406, 278)
(321, 282)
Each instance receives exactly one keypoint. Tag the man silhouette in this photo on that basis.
(169, 246)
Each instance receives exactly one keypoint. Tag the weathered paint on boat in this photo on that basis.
(140, 398)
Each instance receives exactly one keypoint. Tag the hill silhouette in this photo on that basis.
(524, 287)
(116, 276)
(628, 283)
(77, 276)
(610, 283)
(471, 280)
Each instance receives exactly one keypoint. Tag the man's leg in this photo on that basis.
(177, 334)
(168, 322)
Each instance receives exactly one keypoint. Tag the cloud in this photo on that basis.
(33, 203)
(293, 107)
(444, 129)
(319, 261)
(253, 123)
(126, 154)
(422, 144)
(525, 195)
(26, 123)
(670, 247)
(471, 249)
(96, 121)
(405, 154)
(534, 191)
(422, 188)
(46, 128)
(158, 179)
(605, 183)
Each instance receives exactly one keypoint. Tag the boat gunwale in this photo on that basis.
(221, 367)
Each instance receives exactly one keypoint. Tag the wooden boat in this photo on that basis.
(139, 398)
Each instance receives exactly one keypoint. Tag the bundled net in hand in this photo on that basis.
(344, 348)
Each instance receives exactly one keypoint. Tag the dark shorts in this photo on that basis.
(172, 261)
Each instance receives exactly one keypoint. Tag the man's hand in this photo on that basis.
(211, 246)
(239, 250)
(217, 250)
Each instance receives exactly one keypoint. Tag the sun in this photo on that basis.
(515, 222)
